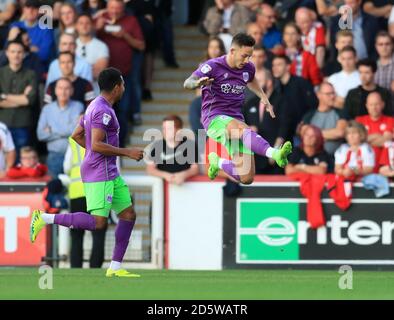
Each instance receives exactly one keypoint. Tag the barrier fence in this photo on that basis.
(195, 226)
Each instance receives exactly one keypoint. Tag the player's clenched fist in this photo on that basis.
(204, 81)
(135, 153)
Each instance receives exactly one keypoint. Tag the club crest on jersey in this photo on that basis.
(205, 68)
(106, 118)
(245, 76)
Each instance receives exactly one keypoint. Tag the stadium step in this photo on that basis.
(190, 43)
(168, 106)
(186, 31)
(169, 85)
(181, 94)
(186, 52)
(189, 64)
(155, 118)
(179, 75)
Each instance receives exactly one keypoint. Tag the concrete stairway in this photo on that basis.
(167, 90)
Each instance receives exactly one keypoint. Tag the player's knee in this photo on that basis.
(246, 179)
(101, 223)
(128, 214)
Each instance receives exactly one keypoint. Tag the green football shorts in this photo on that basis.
(217, 131)
(103, 196)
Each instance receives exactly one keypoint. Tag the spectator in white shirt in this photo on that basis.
(7, 150)
(356, 157)
(346, 79)
(93, 50)
(83, 69)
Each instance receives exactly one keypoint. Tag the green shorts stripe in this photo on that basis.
(103, 196)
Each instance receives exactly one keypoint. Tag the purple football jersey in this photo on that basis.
(225, 95)
(96, 166)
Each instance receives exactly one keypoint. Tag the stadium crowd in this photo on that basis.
(328, 70)
(50, 58)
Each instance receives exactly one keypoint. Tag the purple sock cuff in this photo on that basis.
(76, 220)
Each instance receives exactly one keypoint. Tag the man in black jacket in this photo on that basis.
(297, 92)
(356, 98)
(275, 130)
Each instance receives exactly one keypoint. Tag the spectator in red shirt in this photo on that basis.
(387, 160)
(313, 34)
(29, 166)
(303, 62)
(379, 127)
(122, 34)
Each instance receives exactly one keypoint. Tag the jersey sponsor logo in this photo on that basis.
(106, 118)
(206, 68)
(245, 76)
(382, 127)
(226, 88)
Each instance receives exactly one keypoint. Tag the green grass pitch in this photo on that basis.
(22, 283)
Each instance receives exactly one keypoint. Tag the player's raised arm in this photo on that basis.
(98, 145)
(194, 82)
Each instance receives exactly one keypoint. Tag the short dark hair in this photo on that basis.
(33, 4)
(368, 63)
(283, 57)
(109, 78)
(259, 47)
(178, 122)
(69, 53)
(84, 14)
(243, 40)
(383, 34)
(9, 43)
(348, 49)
